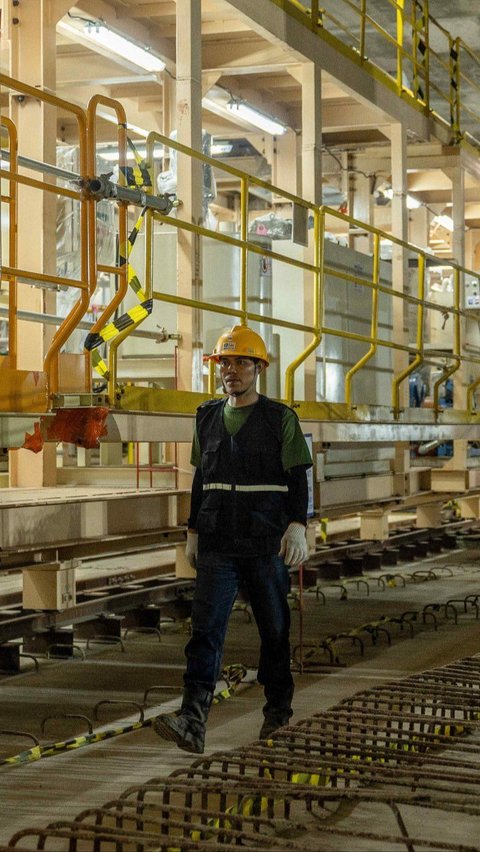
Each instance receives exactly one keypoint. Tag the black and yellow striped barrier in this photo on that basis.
(233, 676)
(136, 176)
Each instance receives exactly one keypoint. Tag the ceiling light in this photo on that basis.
(111, 154)
(241, 109)
(107, 41)
(113, 119)
(218, 148)
(413, 203)
(383, 194)
(107, 38)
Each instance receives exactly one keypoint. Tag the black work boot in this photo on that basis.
(277, 710)
(186, 727)
(273, 720)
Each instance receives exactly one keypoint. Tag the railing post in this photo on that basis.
(455, 88)
(419, 357)
(363, 21)
(373, 323)
(11, 199)
(421, 55)
(400, 32)
(244, 248)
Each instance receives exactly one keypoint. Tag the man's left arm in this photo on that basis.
(293, 546)
(296, 461)
(297, 499)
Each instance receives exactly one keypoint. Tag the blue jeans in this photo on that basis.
(266, 580)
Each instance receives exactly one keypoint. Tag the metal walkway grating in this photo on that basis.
(384, 769)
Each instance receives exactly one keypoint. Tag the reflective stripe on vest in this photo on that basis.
(226, 486)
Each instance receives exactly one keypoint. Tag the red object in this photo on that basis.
(34, 442)
(80, 426)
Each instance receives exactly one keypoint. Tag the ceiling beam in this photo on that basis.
(245, 56)
(347, 115)
(159, 9)
(222, 26)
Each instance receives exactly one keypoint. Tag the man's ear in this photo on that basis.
(260, 367)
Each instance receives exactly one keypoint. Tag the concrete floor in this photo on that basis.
(59, 787)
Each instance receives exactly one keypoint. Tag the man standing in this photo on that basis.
(247, 524)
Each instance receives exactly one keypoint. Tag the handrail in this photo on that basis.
(50, 364)
(373, 325)
(318, 269)
(456, 343)
(430, 74)
(418, 360)
(112, 364)
(11, 200)
(244, 181)
(120, 271)
(318, 305)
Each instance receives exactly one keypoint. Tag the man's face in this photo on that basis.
(239, 375)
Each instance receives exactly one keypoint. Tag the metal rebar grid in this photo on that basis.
(391, 765)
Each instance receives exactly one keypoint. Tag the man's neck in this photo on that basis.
(243, 400)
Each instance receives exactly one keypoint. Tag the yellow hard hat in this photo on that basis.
(240, 342)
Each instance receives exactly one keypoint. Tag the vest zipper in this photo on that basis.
(234, 490)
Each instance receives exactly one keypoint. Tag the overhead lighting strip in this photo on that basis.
(255, 117)
(115, 43)
(100, 36)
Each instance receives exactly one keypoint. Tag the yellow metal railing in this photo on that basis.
(120, 269)
(313, 267)
(317, 269)
(10, 272)
(10, 199)
(417, 56)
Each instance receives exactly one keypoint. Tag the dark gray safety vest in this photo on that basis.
(244, 504)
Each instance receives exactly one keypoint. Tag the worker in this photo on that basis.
(247, 524)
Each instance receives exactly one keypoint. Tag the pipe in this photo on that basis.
(419, 357)
(52, 319)
(425, 449)
(318, 293)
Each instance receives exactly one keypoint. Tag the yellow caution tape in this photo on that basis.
(141, 173)
(38, 752)
(233, 675)
(137, 176)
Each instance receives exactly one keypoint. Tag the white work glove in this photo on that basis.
(293, 546)
(191, 549)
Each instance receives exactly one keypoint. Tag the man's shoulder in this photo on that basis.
(210, 403)
(208, 407)
(280, 407)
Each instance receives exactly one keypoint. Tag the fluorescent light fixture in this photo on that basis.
(443, 220)
(412, 202)
(112, 41)
(219, 148)
(113, 119)
(111, 155)
(253, 116)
